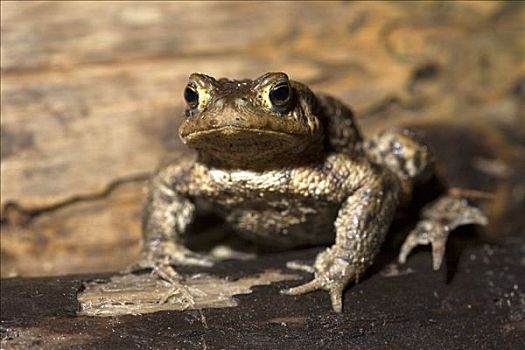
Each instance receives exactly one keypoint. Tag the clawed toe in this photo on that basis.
(336, 297)
(440, 218)
(179, 291)
(426, 232)
(438, 252)
(314, 284)
(332, 272)
(335, 290)
(180, 294)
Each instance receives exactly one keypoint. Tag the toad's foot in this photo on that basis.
(178, 292)
(426, 232)
(167, 273)
(332, 273)
(439, 219)
(169, 253)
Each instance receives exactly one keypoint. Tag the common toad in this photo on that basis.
(286, 167)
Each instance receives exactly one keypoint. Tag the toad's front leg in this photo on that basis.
(361, 225)
(167, 214)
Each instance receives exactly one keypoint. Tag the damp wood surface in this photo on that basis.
(476, 301)
(92, 97)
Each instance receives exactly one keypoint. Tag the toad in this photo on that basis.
(286, 167)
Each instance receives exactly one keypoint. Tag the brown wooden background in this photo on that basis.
(91, 96)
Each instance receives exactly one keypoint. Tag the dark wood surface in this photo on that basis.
(476, 302)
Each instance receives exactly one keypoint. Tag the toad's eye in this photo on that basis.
(280, 94)
(191, 96)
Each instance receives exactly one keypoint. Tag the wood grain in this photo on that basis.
(91, 96)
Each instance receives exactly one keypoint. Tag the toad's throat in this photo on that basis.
(251, 146)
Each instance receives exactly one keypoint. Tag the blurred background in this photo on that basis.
(92, 98)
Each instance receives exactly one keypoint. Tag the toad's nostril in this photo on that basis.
(213, 123)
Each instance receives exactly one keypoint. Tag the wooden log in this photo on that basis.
(476, 300)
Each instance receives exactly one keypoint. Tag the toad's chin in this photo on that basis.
(231, 142)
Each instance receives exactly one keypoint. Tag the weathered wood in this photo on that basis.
(477, 301)
(91, 98)
(136, 294)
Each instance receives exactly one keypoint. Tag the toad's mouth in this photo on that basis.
(233, 139)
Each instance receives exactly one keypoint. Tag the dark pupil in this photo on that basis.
(280, 94)
(191, 96)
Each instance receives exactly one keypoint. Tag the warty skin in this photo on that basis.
(286, 167)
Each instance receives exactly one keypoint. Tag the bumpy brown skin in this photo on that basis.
(291, 171)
